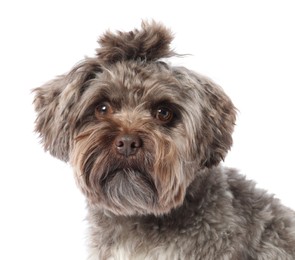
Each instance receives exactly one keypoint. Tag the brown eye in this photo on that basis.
(164, 114)
(103, 109)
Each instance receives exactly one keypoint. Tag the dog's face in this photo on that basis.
(135, 131)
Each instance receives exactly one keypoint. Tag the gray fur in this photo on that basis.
(170, 199)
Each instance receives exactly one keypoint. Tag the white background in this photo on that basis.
(248, 47)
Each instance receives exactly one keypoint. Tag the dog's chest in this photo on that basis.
(123, 252)
(148, 241)
(138, 248)
(136, 241)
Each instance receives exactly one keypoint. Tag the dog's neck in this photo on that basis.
(109, 231)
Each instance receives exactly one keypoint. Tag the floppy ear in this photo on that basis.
(54, 102)
(219, 115)
(213, 115)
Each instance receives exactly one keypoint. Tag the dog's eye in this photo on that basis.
(164, 114)
(103, 109)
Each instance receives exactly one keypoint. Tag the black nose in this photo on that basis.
(128, 144)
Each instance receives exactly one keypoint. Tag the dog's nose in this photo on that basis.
(128, 144)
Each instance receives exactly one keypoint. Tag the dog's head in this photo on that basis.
(135, 129)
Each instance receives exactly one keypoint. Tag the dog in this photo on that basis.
(145, 140)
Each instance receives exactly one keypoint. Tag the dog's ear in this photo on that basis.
(54, 102)
(217, 124)
(212, 114)
(219, 115)
(150, 43)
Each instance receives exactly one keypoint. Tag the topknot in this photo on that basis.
(150, 43)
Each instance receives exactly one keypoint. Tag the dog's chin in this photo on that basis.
(129, 191)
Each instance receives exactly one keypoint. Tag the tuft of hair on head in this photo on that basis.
(150, 43)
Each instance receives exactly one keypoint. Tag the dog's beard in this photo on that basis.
(132, 188)
(122, 187)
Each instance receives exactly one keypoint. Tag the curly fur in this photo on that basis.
(150, 43)
(170, 199)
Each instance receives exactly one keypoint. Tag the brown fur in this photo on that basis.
(150, 43)
(168, 199)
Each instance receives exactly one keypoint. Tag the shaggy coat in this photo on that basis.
(145, 140)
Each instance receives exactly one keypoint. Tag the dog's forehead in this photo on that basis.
(133, 83)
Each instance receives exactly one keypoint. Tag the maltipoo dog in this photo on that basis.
(145, 140)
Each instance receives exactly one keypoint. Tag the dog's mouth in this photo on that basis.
(126, 177)
(120, 172)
